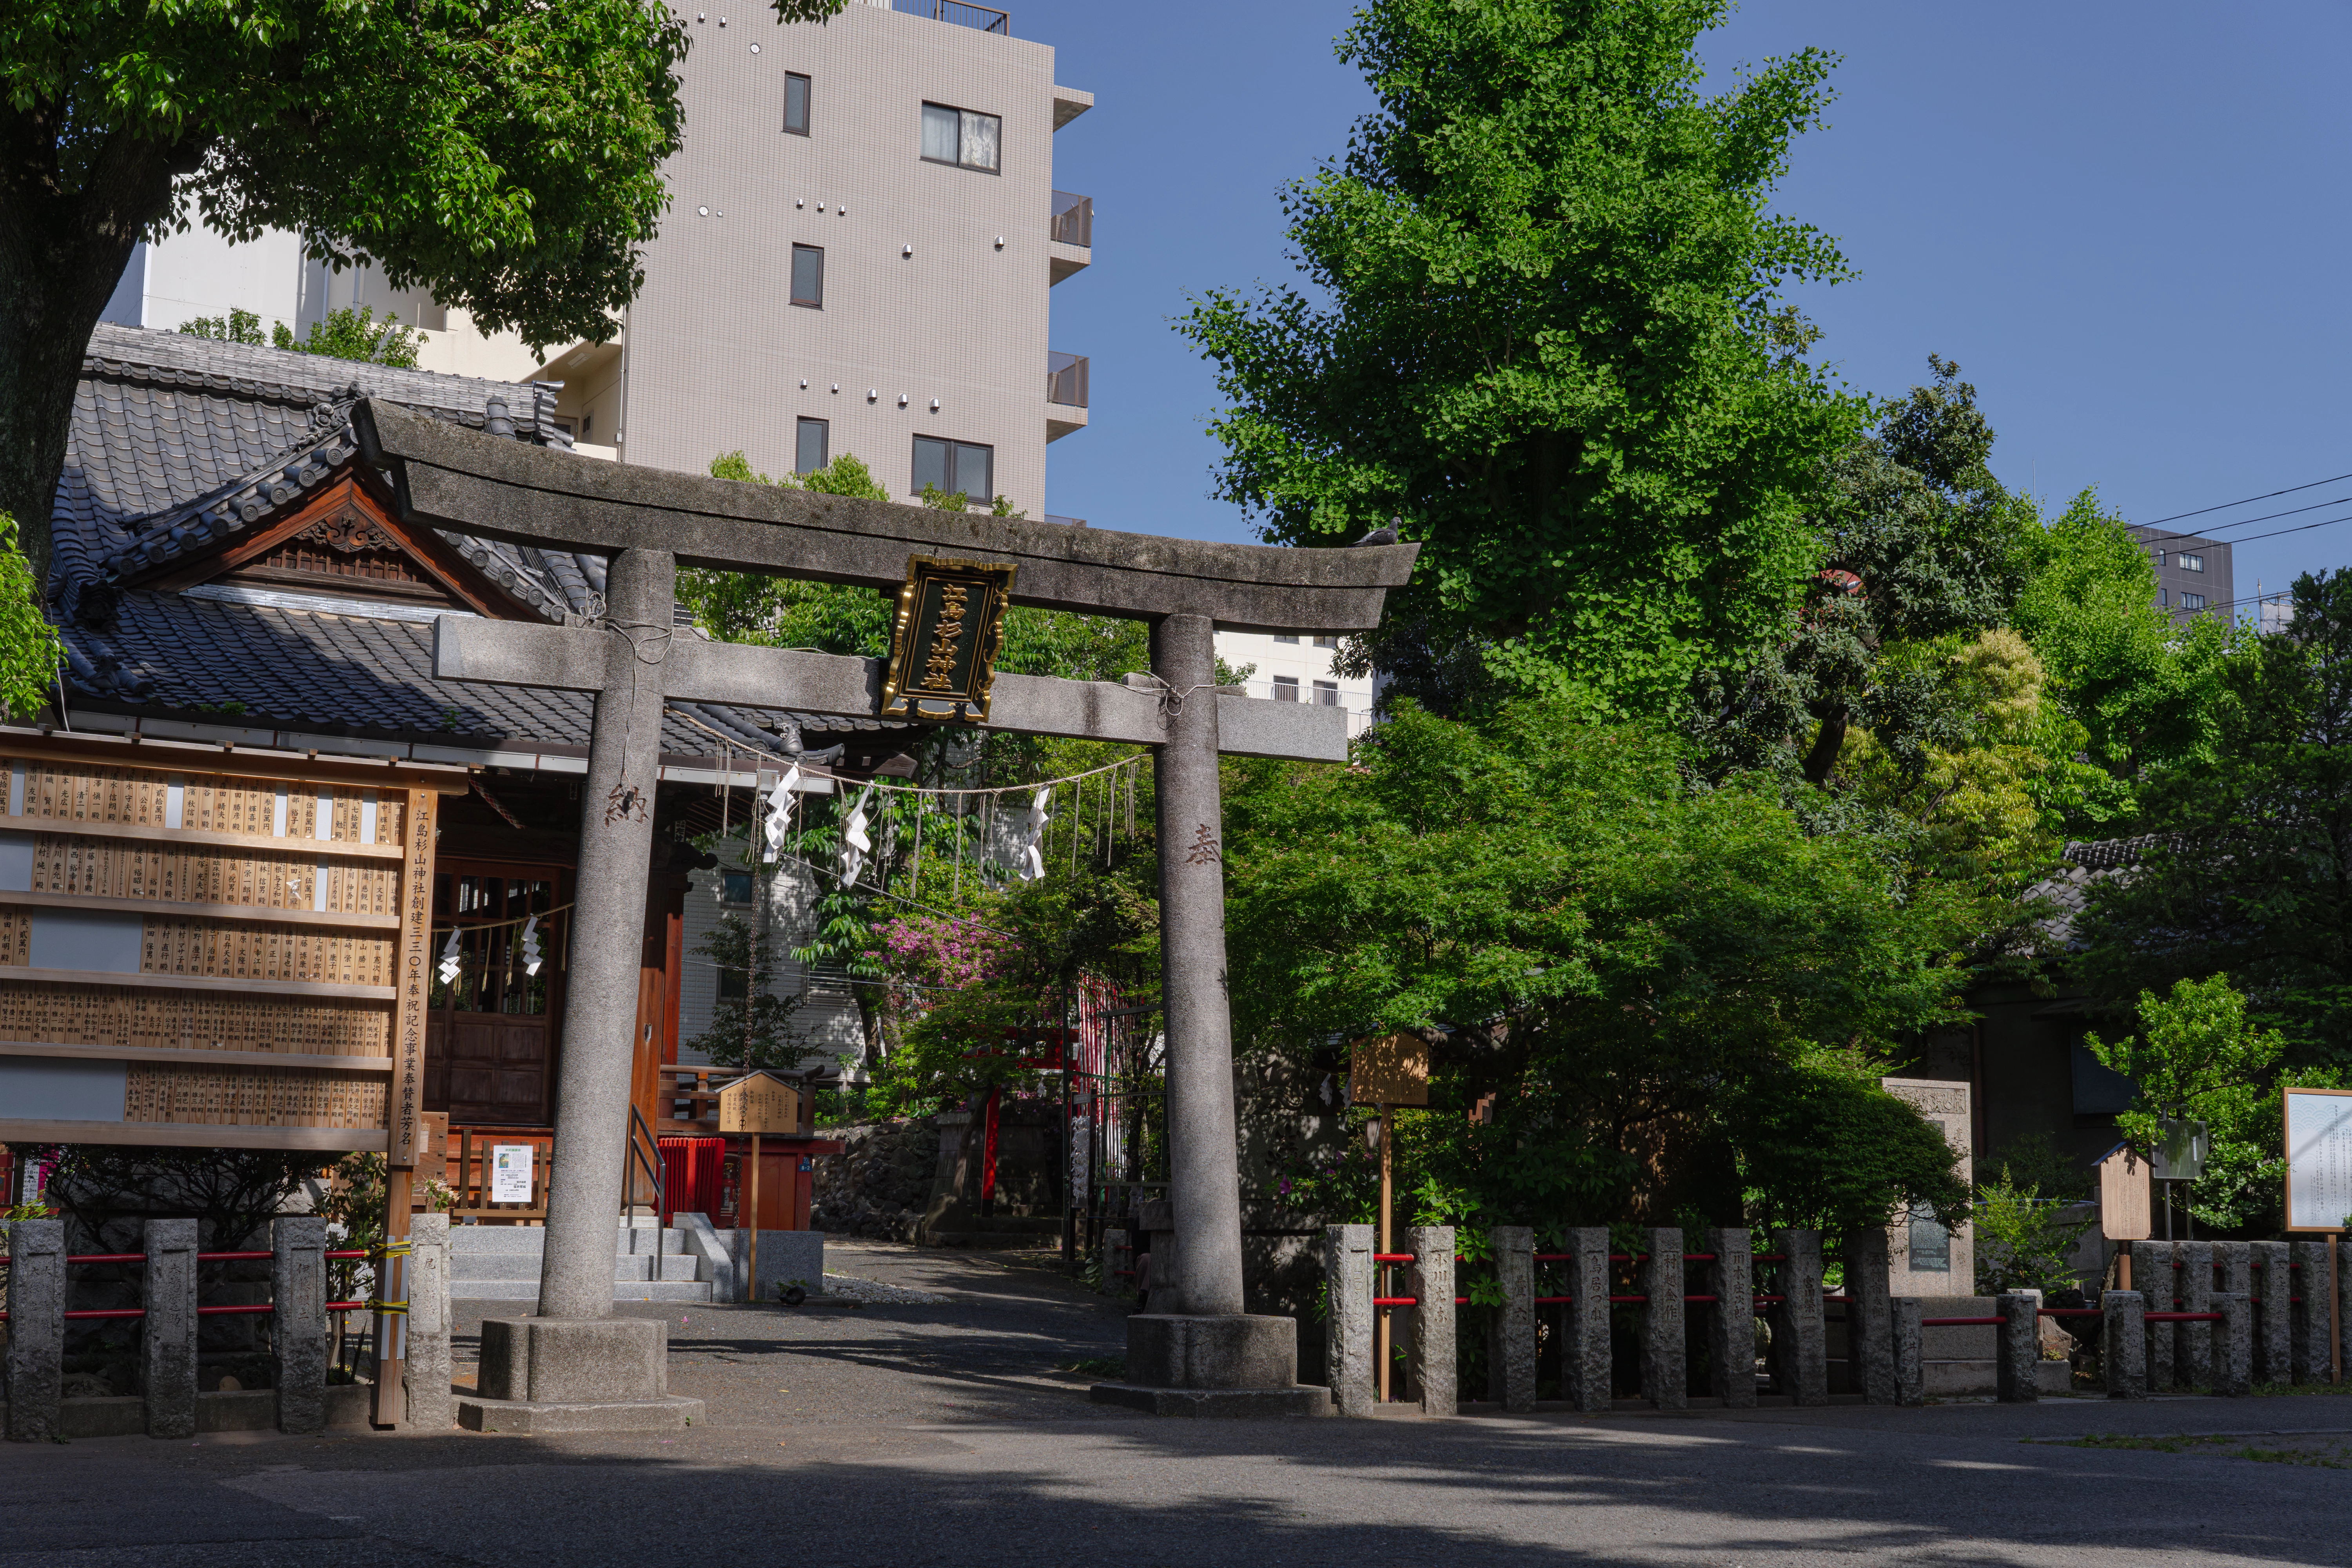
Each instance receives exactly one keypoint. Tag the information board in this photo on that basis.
(211, 948)
(511, 1173)
(2318, 1158)
(1389, 1069)
(759, 1103)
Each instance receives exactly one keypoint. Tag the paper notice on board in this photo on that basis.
(511, 1173)
(2318, 1160)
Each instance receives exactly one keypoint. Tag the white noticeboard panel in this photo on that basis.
(2318, 1158)
(511, 1173)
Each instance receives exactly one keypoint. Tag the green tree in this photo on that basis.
(1918, 543)
(2146, 691)
(503, 154)
(342, 334)
(2197, 1056)
(1541, 330)
(2249, 871)
(1670, 990)
(30, 649)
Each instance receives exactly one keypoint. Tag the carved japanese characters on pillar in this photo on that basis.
(407, 1131)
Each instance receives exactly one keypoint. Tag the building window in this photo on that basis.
(2189, 563)
(1326, 694)
(809, 447)
(796, 103)
(808, 276)
(734, 887)
(587, 425)
(1286, 688)
(1326, 642)
(1285, 636)
(2192, 601)
(2163, 596)
(953, 466)
(959, 136)
(734, 985)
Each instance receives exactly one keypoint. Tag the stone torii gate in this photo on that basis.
(575, 1364)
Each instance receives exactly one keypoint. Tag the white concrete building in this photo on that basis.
(1297, 667)
(862, 235)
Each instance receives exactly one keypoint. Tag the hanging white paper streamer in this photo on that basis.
(854, 844)
(1033, 836)
(780, 813)
(449, 961)
(530, 953)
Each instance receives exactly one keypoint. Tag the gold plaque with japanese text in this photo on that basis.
(944, 642)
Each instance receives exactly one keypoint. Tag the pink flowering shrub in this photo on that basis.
(931, 953)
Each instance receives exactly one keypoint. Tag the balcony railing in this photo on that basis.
(984, 18)
(1066, 379)
(1073, 219)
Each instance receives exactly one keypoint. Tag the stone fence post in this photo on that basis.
(1665, 1355)
(1869, 1322)
(2192, 1362)
(2234, 1346)
(2157, 1280)
(2338, 1290)
(2017, 1359)
(1429, 1282)
(2307, 1311)
(425, 1377)
(2123, 1344)
(167, 1341)
(297, 1323)
(1348, 1318)
(1584, 1361)
(1909, 1351)
(1796, 1320)
(1511, 1368)
(1731, 1326)
(2274, 1288)
(37, 1328)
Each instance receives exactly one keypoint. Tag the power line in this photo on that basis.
(2226, 505)
(2221, 528)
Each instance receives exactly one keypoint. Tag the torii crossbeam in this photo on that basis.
(650, 522)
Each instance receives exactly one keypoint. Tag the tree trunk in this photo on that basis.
(63, 246)
(1827, 744)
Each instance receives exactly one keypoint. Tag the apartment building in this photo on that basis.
(2192, 574)
(862, 236)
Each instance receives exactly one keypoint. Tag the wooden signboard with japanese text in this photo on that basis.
(759, 1103)
(1390, 1069)
(211, 948)
(2125, 1212)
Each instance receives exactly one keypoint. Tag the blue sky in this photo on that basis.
(2126, 223)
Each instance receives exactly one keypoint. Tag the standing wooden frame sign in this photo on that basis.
(203, 947)
(2319, 1186)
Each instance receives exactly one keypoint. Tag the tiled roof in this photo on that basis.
(179, 442)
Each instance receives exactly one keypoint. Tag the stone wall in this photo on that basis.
(880, 1182)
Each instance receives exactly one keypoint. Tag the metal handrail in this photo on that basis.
(1066, 378)
(984, 18)
(1073, 221)
(655, 1165)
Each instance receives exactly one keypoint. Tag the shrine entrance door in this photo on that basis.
(491, 1041)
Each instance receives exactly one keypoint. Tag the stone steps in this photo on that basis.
(500, 1263)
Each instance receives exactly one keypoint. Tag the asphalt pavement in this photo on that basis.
(944, 1433)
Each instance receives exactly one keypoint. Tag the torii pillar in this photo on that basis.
(577, 1367)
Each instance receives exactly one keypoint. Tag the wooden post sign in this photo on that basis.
(2318, 1159)
(214, 948)
(2125, 1213)
(760, 1102)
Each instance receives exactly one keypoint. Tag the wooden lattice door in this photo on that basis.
(491, 1045)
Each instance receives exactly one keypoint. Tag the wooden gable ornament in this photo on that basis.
(760, 1102)
(344, 541)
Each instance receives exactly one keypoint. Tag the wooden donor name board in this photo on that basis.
(762, 1104)
(214, 948)
(2318, 1158)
